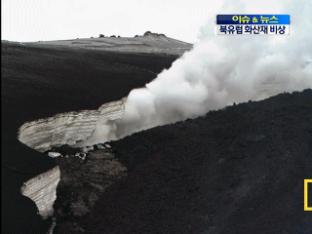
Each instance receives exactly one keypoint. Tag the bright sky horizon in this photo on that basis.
(40, 20)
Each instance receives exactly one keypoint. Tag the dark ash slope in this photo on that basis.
(238, 170)
(40, 81)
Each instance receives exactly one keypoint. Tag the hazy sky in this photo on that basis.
(33, 20)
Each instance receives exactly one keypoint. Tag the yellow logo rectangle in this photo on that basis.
(305, 195)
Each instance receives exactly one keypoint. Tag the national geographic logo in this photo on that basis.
(307, 200)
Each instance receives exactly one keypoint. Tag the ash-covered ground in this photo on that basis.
(237, 170)
(40, 80)
(85, 176)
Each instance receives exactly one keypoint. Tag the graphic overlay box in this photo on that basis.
(307, 195)
(253, 24)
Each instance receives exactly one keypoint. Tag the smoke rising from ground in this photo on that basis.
(221, 70)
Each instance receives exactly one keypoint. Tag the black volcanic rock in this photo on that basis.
(237, 170)
(40, 80)
(83, 182)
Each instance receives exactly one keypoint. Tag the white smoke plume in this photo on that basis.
(217, 72)
(221, 70)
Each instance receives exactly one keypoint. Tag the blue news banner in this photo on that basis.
(253, 24)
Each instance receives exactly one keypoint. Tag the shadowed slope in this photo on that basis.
(237, 170)
(39, 81)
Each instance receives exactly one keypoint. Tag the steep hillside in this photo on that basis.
(237, 170)
(39, 81)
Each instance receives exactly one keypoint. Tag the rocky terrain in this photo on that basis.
(70, 128)
(40, 81)
(237, 170)
(42, 190)
(147, 43)
(83, 182)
